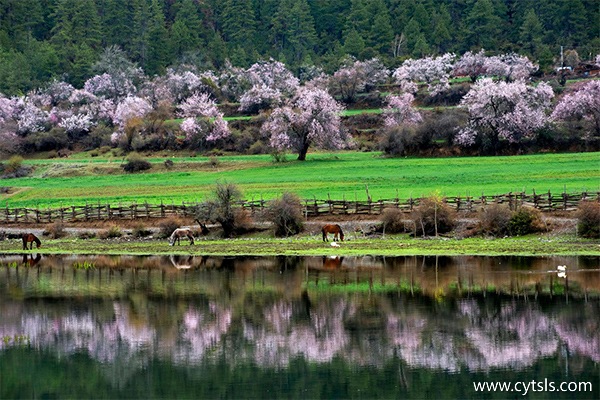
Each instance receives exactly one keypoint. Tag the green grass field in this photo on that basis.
(339, 175)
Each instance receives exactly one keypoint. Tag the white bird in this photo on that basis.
(562, 274)
(335, 244)
(562, 268)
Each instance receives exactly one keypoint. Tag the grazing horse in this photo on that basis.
(30, 238)
(335, 229)
(179, 233)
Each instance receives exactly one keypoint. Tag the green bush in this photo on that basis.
(588, 219)
(524, 221)
(136, 163)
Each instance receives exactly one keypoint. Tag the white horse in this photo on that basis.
(178, 234)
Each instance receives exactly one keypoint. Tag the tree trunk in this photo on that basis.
(303, 151)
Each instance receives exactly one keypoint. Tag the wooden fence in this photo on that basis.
(546, 202)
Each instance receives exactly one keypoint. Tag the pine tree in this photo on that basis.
(238, 23)
(483, 25)
(158, 48)
(185, 32)
(381, 34)
(138, 47)
(293, 30)
(530, 33)
(76, 37)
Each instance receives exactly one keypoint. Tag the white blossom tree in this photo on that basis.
(312, 117)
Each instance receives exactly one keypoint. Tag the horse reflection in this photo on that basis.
(181, 262)
(30, 261)
(332, 262)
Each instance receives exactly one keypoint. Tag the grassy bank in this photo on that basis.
(396, 245)
(343, 175)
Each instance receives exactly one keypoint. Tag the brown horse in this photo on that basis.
(29, 238)
(335, 229)
(179, 233)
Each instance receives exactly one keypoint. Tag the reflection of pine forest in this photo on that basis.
(293, 327)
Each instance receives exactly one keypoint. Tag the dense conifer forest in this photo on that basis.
(41, 40)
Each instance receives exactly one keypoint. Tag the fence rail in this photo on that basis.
(546, 202)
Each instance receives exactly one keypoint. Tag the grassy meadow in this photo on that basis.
(341, 175)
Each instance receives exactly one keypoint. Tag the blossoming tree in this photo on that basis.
(400, 110)
(583, 102)
(312, 117)
(203, 120)
(504, 110)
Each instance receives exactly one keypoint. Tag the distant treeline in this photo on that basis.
(45, 39)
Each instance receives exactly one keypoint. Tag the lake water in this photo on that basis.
(298, 327)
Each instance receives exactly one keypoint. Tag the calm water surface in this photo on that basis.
(298, 327)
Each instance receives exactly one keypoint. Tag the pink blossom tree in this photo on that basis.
(271, 82)
(504, 110)
(355, 77)
(7, 109)
(30, 118)
(582, 103)
(203, 119)
(400, 110)
(472, 65)
(435, 71)
(510, 66)
(312, 117)
(110, 87)
(130, 107)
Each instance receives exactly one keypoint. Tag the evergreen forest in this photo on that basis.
(42, 40)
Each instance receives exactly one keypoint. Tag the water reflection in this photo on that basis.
(450, 314)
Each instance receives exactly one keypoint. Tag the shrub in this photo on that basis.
(55, 230)
(135, 163)
(222, 208)
(392, 219)
(285, 213)
(524, 221)
(140, 231)
(588, 219)
(86, 235)
(13, 165)
(494, 219)
(399, 140)
(111, 233)
(432, 216)
(167, 226)
(54, 139)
